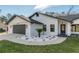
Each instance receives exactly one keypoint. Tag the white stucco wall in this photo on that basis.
(75, 22)
(47, 21)
(68, 30)
(19, 21)
(68, 27)
(34, 27)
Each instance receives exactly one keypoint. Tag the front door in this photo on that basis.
(62, 28)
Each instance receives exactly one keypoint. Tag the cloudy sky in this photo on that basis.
(27, 10)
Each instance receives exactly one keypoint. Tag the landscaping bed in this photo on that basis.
(68, 46)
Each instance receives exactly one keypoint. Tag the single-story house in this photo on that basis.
(52, 25)
(23, 25)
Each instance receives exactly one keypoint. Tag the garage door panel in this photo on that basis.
(19, 29)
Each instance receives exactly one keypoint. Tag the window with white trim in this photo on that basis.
(75, 28)
(52, 27)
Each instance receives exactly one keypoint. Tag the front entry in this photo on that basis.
(63, 29)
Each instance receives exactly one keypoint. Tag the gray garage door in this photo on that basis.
(19, 29)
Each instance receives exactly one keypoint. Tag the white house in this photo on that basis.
(52, 25)
(23, 25)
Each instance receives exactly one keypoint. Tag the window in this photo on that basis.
(44, 27)
(75, 28)
(52, 28)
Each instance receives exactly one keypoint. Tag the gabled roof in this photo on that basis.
(36, 13)
(24, 18)
(34, 21)
(68, 18)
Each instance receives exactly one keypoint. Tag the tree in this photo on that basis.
(0, 11)
(63, 12)
(39, 31)
(3, 18)
(9, 16)
(70, 9)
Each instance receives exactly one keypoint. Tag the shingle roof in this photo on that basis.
(25, 18)
(34, 21)
(68, 18)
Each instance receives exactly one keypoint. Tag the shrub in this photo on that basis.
(2, 30)
(39, 31)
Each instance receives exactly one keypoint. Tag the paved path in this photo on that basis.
(12, 37)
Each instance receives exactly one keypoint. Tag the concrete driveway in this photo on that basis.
(9, 36)
(13, 38)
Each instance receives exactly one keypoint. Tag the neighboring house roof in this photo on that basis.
(68, 18)
(24, 18)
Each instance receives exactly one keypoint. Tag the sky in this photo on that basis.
(28, 10)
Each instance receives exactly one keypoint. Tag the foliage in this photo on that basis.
(2, 30)
(9, 16)
(39, 31)
(3, 18)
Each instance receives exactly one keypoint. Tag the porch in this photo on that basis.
(64, 28)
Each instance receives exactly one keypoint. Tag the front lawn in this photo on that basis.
(70, 45)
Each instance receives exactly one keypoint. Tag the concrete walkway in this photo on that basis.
(12, 38)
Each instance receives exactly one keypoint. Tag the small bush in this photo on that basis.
(39, 31)
(2, 30)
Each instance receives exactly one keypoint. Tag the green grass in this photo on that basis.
(69, 45)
